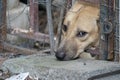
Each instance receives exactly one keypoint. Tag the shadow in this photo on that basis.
(104, 75)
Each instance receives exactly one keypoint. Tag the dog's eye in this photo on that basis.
(65, 28)
(81, 34)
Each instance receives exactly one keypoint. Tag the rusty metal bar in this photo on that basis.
(20, 50)
(117, 31)
(103, 17)
(50, 25)
(111, 34)
(106, 21)
(30, 35)
(2, 22)
(34, 24)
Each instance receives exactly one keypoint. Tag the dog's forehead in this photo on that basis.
(88, 24)
(84, 21)
(72, 13)
(69, 18)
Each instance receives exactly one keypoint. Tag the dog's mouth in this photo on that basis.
(93, 51)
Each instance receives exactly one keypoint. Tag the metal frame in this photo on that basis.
(109, 21)
(2, 22)
(32, 33)
(117, 31)
(106, 26)
(50, 25)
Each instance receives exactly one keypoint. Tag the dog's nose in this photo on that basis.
(60, 55)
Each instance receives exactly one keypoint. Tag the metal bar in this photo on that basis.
(34, 24)
(59, 31)
(103, 17)
(118, 36)
(20, 50)
(106, 21)
(73, 1)
(2, 22)
(30, 35)
(50, 25)
(111, 35)
(117, 31)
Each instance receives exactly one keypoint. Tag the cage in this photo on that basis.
(109, 26)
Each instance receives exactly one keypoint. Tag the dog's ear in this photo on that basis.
(98, 21)
(98, 24)
(65, 27)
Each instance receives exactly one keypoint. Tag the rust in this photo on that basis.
(30, 35)
(34, 24)
(107, 40)
(20, 50)
(2, 23)
(117, 32)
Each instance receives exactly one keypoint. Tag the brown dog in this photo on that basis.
(80, 32)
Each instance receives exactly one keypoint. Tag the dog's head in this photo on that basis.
(80, 31)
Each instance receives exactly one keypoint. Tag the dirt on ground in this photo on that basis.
(4, 56)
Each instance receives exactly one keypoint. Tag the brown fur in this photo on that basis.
(81, 17)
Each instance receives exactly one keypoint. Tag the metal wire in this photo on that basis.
(17, 15)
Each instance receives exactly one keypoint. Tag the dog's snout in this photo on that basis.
(60, 55)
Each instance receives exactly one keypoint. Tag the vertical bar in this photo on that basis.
(73, 1)
(117, 31)
(59, 30)
(107, 21)
(111, 34)
(50, 25)
(2, 22)
(1, 47)
(34, 24)
(103, 39)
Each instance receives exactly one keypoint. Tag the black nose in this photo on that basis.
(60, 55)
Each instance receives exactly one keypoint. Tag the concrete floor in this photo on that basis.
(48, 68)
